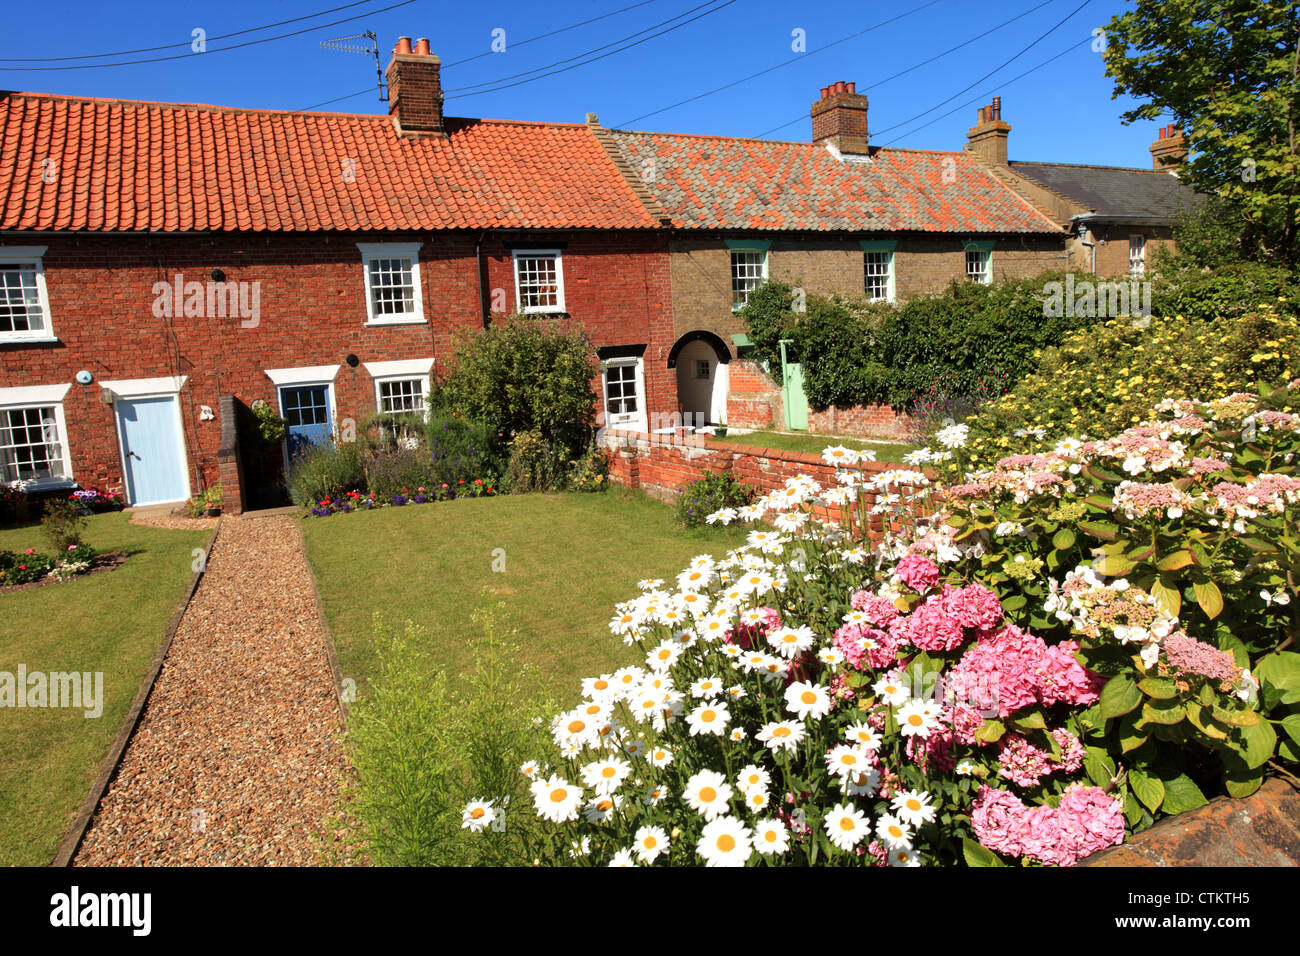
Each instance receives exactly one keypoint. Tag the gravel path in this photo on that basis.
(237, 757)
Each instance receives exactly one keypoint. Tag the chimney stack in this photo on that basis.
(840, 118)
(987, 139)
(1170, 150)
(415, 89)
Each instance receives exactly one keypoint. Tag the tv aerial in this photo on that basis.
(370, 47)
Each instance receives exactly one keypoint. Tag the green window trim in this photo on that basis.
(749, 245)
(980, 245)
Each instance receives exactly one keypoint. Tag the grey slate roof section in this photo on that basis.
(1115, 192)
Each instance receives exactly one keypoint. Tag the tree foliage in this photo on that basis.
(1227, 71)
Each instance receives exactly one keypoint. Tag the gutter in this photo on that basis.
(482, 283)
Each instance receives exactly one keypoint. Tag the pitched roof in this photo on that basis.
(1114, 191)
(124, 165)
(716, 182)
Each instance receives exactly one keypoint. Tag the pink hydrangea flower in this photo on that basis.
(917, 572)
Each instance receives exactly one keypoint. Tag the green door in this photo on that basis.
(792, 394)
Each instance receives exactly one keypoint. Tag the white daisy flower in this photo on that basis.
(790, 521)
(781, 735)
(598, 688)
(831, 656)
(903, 856)
(864, 734)
(709, 718)
(654, 795)
(845, 759)
(707, 793)
(605, 776)
(556, 799)
(891, 690)
(894, 832)
(737, 735)
(771, 837)
(706, 687)
(792, 641)
(722, 516)
(862, 784)
(913, 807)
(757, 801)
(724, 842)
(753, 777)
(663, 655)
(805, 699)
(846, 825)
(622, 858)
(839, 455)
(477, 815)
(649, 843)
(915, 719)
(531, 769)
(659, 756)
(602, 808)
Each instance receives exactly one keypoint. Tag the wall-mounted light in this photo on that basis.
(218, 275)
(106, 396)
(84, 377)
(205, 413)
(352, 360)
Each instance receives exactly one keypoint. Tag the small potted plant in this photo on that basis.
(212, 500)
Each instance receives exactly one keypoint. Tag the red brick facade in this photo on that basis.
(312, 313)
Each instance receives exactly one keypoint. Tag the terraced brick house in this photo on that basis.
(835, 214)
(1114, 217)
(160, 263)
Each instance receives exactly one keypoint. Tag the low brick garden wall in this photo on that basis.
(661, 465)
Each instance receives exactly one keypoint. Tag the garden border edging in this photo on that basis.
(117, 750)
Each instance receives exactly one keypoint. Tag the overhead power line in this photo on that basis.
(501, 84)
(783, 63)
(185, 43)
(224, 49)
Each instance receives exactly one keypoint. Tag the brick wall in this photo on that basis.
(755, 402)
(662, 465)
(312, 312)
(701, 271)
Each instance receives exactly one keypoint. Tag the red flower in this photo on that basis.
(478, 481)
(22, 567)
(461, 482)
(30, 551)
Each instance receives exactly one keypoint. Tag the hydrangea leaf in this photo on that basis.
(1119, 696)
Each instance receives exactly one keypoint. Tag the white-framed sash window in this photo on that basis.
(391, 271)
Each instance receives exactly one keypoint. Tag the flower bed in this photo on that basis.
(356, 501)
(92, 501)
(1073, 645)
(31, 566)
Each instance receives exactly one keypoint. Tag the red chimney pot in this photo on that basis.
(403, 46)
(422, 47)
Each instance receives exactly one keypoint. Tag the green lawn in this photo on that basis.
(568, 560)
(112, 622)
(885, 451)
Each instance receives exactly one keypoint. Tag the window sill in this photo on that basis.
(547, 313)
(41, 340)
(412, 321)
(42, 484)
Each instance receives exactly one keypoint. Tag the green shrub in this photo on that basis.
(62, 525)
(1104, 380)
(326, 470)
(522, 375)
(424, 744)
(462, 449)
(1227, 291)
(535, 464)
(591, 471)
(709, 493)
(854, 352)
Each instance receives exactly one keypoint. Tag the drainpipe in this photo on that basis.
(482, 280)
(1081, 224)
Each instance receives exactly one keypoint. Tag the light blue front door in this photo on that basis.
(151, 450)
(307, 416)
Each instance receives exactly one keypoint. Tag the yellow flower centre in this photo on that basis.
(477, 813)
(916, 720)
(808, 697)
(781, 732)
(913, 804)
(708, 716)
(577, 726)
(708, 795)
(558, 795)
(608, 772)
(848, 760)
(650, 843)
(770, 836)
(726, 843)
(605, 806)
(846, 823)
(895, 831)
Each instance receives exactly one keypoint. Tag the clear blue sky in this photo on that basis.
(1061, 112)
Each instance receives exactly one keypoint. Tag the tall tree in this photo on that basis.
(1227, 71)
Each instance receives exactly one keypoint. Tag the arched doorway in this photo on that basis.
(701, 360)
